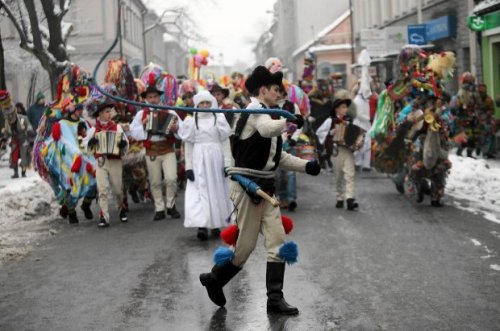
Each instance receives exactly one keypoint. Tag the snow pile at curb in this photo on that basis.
(477, 185)
(26, 206)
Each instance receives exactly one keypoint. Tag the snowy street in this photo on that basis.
(393, 265)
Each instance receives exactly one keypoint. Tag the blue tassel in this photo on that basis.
(58, 114)
(288, 252)
(223, 255)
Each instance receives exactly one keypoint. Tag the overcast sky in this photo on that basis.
(231, 27)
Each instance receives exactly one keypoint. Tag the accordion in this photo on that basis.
(107, 142)
(160, 122)
(349, 135)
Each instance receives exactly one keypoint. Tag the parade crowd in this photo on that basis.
(89, 146)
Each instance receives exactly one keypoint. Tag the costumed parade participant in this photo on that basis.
(208, 153)
(466, 107)
(156, 129)
(414, 147)
(108, 143)
(257, 154)
(362, 101)
(488, 123)
(345, 139)
(18, 128)
(59, 156)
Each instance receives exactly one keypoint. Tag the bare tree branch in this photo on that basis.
(56, 43)
(35, 29)
(18, 27)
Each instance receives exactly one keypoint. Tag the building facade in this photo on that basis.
(444, 23)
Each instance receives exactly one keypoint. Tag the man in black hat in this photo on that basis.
(160, 153)
(257, 153)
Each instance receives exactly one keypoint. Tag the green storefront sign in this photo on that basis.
(486, 22)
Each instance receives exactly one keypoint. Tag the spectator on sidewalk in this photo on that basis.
(35, 112)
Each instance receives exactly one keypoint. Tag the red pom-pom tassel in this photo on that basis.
(77, 164)
(56, 131)
(151, 79)
(89, 168)
(230, 235)
(287, 223)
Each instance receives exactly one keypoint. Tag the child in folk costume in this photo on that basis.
(208, 152)
(343, 157)
(109, 166)
(257, 154)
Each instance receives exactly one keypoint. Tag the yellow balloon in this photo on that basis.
(203, 53)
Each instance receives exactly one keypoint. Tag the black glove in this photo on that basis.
(299, 121)
(92, 142)
(313, 168)
(122, 144)
(190, 175)
(292, 142)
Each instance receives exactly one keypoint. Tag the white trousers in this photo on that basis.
(109, 177)
(168, 164)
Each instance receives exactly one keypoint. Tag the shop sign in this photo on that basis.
(442, 27)
(417, 34)
(486, 22)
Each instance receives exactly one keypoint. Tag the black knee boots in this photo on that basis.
(274, 282)
(215, 281)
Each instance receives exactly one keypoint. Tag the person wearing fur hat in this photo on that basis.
(160, 154)
(207, 152)
(257, 154)
(109, 166)
(343, 157)
(35, 111)
(18, 129)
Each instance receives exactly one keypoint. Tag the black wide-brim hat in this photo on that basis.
(108, 102)
(338, 102)
(151, 89)
(261, 76)
(217, 87)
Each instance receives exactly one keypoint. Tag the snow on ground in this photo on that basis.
(26, 207)
(475, 185)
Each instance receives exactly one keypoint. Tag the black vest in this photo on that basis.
(253, 152)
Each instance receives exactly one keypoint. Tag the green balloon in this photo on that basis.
(193, 51)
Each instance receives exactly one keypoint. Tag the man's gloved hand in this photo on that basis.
(313, 168)
(122, 144)
(92, 142)
(190, 175)
(299, 121)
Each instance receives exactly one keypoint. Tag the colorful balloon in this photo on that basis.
(203, 53)
(193, 50)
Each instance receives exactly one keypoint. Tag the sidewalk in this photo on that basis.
(26, 206)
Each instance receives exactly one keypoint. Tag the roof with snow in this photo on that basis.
(322, 33)
(486, 6)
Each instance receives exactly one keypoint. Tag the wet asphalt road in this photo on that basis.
(393, 265)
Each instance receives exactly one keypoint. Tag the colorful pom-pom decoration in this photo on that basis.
(289, 252)
(287, 223)
(56, 131)
(77, 164)
(223, 255)
(230, 235)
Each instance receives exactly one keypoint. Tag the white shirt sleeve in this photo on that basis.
(85, 140)
(323, 130)
(137, 131)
